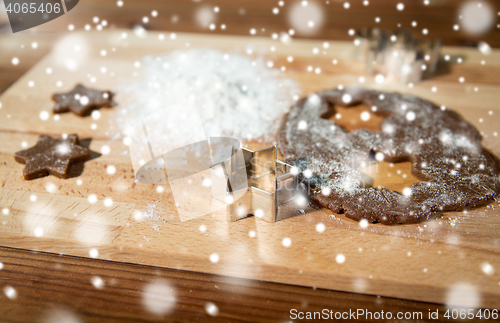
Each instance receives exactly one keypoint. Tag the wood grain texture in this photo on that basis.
(426, 262)
(63, 217)
(51, 288)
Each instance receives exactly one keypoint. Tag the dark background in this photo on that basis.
(239, 16)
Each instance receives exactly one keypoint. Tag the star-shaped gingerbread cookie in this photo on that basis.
(51, 156)
(82, 100)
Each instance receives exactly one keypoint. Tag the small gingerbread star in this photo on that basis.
(82, 100)
(51, 156)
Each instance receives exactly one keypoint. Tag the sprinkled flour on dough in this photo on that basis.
(445, 150)
(236, 95)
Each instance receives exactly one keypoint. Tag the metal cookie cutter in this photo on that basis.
(398, 55)
(256, 183)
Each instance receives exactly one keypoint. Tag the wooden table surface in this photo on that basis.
(50, 285)
(438, 17)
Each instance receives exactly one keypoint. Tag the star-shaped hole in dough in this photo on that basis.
(51, 156)
(82, 100)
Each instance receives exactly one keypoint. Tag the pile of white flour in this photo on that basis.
(236, 95)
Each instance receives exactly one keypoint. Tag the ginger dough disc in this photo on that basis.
(444, 149)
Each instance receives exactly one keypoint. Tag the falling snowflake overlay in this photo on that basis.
(444, 149)
(236, 95)
(305, 17)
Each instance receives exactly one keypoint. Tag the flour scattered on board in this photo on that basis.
(236, 95)
(153, 214)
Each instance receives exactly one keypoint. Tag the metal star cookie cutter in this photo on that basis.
(399, 55)
(256, 183)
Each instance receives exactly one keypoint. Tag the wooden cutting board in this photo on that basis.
(453, 259)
